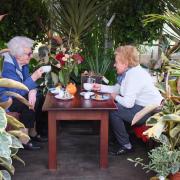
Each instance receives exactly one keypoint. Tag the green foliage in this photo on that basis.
(98, 62)
(9, 147)
(25, 17)
(162, 161)
(127, 27)
(74, 18)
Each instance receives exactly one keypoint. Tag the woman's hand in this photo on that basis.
(113, 95)
(32, 97)
(37, 74)
(96, 87)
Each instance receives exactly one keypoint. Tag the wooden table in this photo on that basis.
(77, 109)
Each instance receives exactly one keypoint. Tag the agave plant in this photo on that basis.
(75, 16)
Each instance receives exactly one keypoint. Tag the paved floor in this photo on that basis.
(78, 155)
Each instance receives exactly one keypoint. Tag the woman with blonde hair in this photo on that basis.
(133, 91)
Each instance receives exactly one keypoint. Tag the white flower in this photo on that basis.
(64, 59)
(66, 55)
(58, 65)
(63, 49)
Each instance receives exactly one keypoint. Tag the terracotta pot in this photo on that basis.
(175, 176)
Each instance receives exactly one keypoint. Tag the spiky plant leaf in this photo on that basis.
(75, 18)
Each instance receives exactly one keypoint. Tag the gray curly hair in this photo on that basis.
(17, 44)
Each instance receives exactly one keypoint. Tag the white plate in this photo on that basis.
(54, 90)
(82, 93)
(100, 97)
(63, 98)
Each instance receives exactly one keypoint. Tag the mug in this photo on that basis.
(88, 86)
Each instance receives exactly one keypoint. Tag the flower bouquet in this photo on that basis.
(68, 60)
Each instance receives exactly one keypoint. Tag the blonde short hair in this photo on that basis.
(129, 54)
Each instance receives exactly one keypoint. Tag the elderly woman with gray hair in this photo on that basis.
(133, 91)
(15, 66)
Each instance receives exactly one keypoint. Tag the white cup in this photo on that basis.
(46, 69)
(61, 93)
(87, 95)
(88, 86)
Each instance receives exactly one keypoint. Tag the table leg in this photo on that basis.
(52, 133)
(104, 141)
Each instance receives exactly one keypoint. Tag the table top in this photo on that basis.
(77, 103)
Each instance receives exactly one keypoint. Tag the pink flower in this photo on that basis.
(78, 58)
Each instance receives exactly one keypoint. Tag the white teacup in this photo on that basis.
(46, 69)
(88, 86)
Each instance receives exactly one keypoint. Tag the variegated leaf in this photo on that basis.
(175, 131)
(139, 115)
(6, 175)
(156, 130)
(3, 119)
(24, 138)
(10, 83)
(14, 122)
(19, 97)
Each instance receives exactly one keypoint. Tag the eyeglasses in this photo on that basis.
(29, 54)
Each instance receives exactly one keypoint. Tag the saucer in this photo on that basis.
(100, 97)
(63, 98)
(54, 90)
(90, 93)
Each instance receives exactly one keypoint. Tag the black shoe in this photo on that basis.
(121, 151)
(38, 138)
(31, 146)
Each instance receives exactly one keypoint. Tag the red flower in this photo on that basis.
(59, 57)
(78, 58)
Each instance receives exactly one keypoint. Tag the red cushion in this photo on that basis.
(139, 132)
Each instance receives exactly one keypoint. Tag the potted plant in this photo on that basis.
(162, 160)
